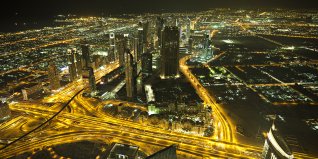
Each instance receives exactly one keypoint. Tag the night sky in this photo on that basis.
(41, 9)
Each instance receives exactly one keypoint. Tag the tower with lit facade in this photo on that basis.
(87, 70)
(121, 44)
(159, 26)
(112, 51)
(140, 43)
(146, 63)
(146, 36)
(169, 65)
(86, 61)
(71, 65)
(91, 80)
(54, 76)
(78, 63)
(131, 73)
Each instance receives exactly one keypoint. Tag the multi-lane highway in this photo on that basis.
(87, 121)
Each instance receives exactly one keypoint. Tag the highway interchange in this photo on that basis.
(83, 120)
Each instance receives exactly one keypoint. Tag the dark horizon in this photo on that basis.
(41, 11)
(44, 9)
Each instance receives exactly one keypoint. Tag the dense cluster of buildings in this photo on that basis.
(249, 63)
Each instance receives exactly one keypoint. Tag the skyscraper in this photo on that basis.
(207, 44)
(71, 65)
(121, 44)
(78, 62)
(146, 34)
(188, 31)
(135, 48)
(54, 76)
(146, 63)
(111, 52)
(88, 72)
(140, 43)
(159, 25)
(74, 64)
(86, 62)
(131, 73)
(169, 52)
(89, 78)
(190, 44)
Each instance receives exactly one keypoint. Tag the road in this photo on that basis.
(87, 121)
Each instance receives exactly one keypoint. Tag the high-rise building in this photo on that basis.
(74, 64)
(131, 73)
(159, 25)
(190, 44)
(91, 80)
(89, 77)
(78, 63)
(140, 84)
(140, 43)
(146, 36)
(146, 63)
(121, 44)
(188, 31)
(206, 39)
(98, 61)
(71, 65)
(169, 53)
(275, 146)
(135, 48)
(86, 61)
(207, 44)
(111, 50)
(54, 76)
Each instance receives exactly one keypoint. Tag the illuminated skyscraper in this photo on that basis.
(71, 65)
(112, 52)
(74, 64)
(275, 146)
(78, 62)
(140, 43)
(121, 44)
(146, 35)
(131, 73)
(146, 63)
(190, 45)
(159, 25)
(54, 76)
(188, 31)
(86, 61)
(207, 44)
(169, 53)
(135, 48)
(206, 40)
(89, 78)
